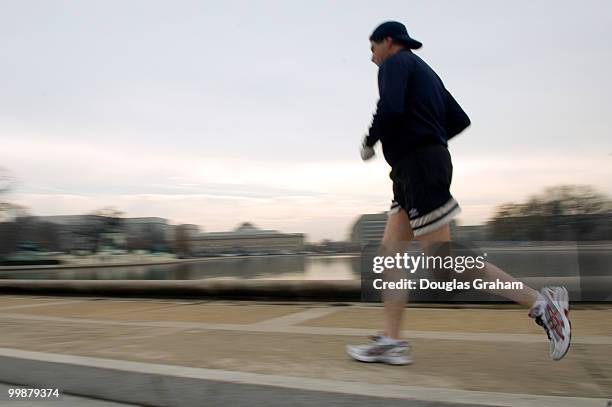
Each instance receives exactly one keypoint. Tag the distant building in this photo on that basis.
(82, 232)
(247, 239)
(94, 232)
(135, 227)
(192, 231)
(181, 238)
(88, 232)
(186, 230)
(148, 233)
(66, 220)
(369, 229)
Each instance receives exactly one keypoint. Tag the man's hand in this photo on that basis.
(367, 152)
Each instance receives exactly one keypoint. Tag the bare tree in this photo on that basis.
(9, 238)
(98, 225)
(8, 211)
(566, 212)
(182, 244)
(7, 181)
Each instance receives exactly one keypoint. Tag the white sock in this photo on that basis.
(385, 340)
(537, 308)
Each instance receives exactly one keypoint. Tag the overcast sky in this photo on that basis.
(215, 113)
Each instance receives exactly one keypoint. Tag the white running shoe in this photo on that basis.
(552, 313)
(381, 350)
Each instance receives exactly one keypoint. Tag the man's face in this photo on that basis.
(381, 50)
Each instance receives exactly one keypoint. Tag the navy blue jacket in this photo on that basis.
(414, 108)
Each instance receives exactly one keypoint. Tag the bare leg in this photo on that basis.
(526, 297)
(397, 231)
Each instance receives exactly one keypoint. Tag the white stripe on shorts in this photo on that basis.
(395, 207)
(433, 215)
(437, 224)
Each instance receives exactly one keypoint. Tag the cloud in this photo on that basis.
(319, 198)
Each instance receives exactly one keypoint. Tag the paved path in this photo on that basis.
(474, 356)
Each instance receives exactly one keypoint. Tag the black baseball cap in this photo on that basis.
(397, 31)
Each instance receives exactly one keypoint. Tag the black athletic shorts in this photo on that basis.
(421, 186)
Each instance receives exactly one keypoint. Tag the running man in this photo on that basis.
(414, 119)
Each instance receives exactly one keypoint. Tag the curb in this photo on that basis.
(597, 289)
(177, 386)
(347, 290)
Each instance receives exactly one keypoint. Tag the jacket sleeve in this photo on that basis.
(392, 82)
(456, 119)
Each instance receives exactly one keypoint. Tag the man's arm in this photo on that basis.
(376, 128)
(392, 82)
(456, 119)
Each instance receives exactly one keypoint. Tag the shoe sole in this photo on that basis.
(561, 305)
(378, 359)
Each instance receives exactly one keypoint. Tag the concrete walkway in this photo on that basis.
(180, 352)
